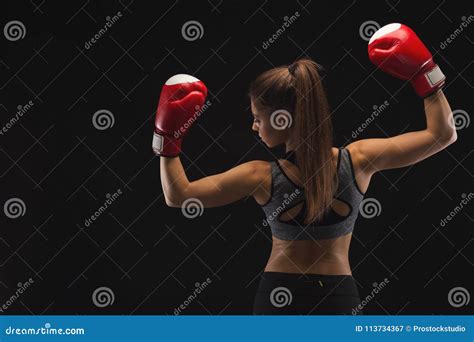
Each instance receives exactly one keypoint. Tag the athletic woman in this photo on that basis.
(311, 197)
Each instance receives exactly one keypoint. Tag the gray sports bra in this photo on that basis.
(285, 195)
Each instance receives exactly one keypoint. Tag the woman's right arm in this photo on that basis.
(373, 155)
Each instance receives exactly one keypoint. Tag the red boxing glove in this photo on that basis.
(397, 50)
(181, 100)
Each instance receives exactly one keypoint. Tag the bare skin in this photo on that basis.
(330, 256)
(253, 179)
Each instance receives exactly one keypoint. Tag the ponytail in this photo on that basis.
(298, 89)
(313, 133)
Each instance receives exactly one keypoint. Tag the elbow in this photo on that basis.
(449, 139)
(445, 138)
(454, 137)
(169, 203)
(176, 197)
(172, 202)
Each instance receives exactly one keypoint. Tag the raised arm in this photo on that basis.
(216, 190)
(406, 149)
(181, 103)
(397, 50)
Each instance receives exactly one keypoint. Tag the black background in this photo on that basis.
(150, 255)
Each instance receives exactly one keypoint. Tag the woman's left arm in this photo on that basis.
(215, 190)
(373, 155)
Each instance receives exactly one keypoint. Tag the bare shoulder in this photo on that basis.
(259, 166)
(360, 164)
(259, 169)
(263, 177)
(226, 187)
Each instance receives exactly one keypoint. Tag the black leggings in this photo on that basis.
(306, 294)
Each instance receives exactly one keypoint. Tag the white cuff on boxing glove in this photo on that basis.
(428, 82)
(166, 146)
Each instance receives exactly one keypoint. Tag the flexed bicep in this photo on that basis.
(227, 187)
(395, 152)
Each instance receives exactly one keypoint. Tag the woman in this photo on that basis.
(311, 197)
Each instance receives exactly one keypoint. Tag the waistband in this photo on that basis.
(309, 284)
(302, 276)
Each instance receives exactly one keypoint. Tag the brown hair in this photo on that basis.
(298, 89)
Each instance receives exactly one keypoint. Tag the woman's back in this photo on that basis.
(313, 255)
